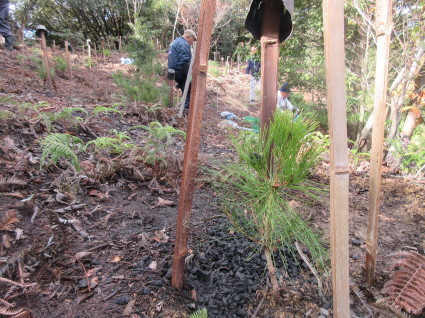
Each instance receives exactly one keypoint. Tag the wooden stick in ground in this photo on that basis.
(68, 60)
(197, 101)
(103, 50)
(171, 93)
(383, 35)
(333, 16)
(54, 46)
(46, 60)
(120, 44)
(186, 86)
(269, 60)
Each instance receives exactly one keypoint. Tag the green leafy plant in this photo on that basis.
(65, 114)
(106, 110)
(201, 313)
(56, 146)
(60, 64)
(158, 141)
(89, 62)
(5, 114)
(213, 68)
(114, 145)
(412, 156)
(107, 53)
(272, 169)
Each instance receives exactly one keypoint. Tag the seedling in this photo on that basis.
(256, 191)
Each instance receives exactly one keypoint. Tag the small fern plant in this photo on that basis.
(56, 146)
(201, 313)
(105, 110)
(113, 145)
(159, 135)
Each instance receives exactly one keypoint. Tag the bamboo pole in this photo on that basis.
(186, 86)
(46, 60)
(383, 35)
(269, 60)
(333, 16)
(68, 60)
(197, 101)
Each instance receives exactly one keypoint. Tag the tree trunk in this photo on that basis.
(413, 119)
(272, 273)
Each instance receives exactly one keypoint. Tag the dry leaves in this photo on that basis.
(163, 202)
(116, 259)
(161, 236)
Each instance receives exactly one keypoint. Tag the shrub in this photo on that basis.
(60, 64)
(255, 192)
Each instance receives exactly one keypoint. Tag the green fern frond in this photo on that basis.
(102, 109)
(5, 114)
(115, 145)
(58, 146)
(201, 313)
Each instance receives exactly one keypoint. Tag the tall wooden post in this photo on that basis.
(383, 35)
(68, 60)
(269, 60)
(46, 60)
(54, 46)
(333, 16)
(197, 101)
(120, 43)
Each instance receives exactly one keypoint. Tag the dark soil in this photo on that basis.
(112, 255)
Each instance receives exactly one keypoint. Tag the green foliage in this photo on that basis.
(107, 53)
(413, 156)
(158, 141)
(60, 64)
(89, 62)
(317, 111)
(57, 146)
(256, 197)
(140, 46)
(113, 145)
(5, 114)
(201, 313)
(106, 110)
(66, 114)
(145, 90)
(213, 68)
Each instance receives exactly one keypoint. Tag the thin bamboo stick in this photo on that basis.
(333, 16)
(383, 35)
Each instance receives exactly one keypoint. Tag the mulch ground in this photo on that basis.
(110, 253)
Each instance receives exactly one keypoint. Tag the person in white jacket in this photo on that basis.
(283, 103)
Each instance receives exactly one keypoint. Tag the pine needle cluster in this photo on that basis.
(273, 167)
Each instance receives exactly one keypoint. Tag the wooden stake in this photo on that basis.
(68, 60)
(120, 43)
(54, 46)
(333, 16)
(383, 35)
(197, 101)
(103, 50)
(46, 60)
(269, 60)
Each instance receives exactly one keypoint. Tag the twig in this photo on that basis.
(113, 294)
(85, 275)
(305, 259)
(260, 304)
(36, 209)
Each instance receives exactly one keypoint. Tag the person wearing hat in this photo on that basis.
(4, 26)
(179, 56)
(254, 70)
(283, 103)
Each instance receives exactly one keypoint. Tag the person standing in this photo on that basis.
(283, 103)
(179, 56)
(4, 25)
(254, 70)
